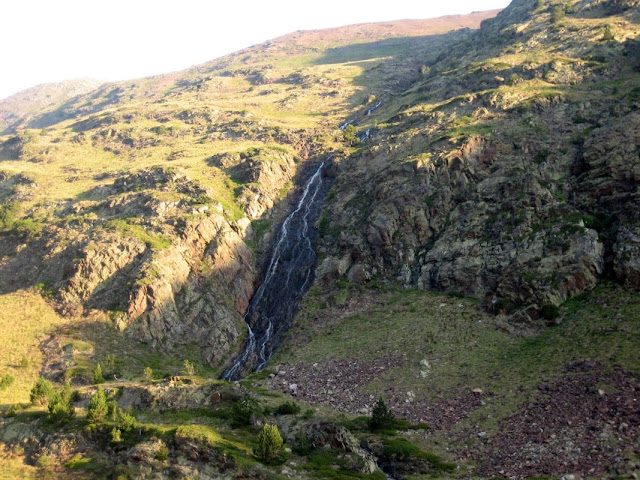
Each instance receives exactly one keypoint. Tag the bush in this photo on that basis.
(608, 36)
(6, 381)
(349, 134)
(162, 453)
(125, 420)
(188, 368)
(287, 408)
(8, 215)
(243, 411)
(98, 409)
(148, 374)
(41, 392)
(381, 417)
(110, 363)
(557, 13)
(270, 449)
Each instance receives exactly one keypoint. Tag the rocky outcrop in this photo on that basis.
(483, 187)
(196, 289)
(262, 173)
(153, 251)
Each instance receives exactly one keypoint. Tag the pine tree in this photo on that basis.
(381, 417)
(270, 449)
(97, 375)
(60, 406)
(97, 407)
(41, 392)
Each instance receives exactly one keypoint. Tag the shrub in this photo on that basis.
(24, 362)
(557, 13)
(270, 449)
(287, 408)
(349, 134)
(302, 446)
(125, 420)
(243, 411)
(98, 409)
(60, 406)
(13, 410)
(148, 374)
(162, 453)
(110, 363)
(608, 36)
(188, 368)
(8, 215)
(97, 375)
(41, 391)
(44, 461)
(6, 381)
(381, 417)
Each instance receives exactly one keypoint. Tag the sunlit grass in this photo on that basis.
(25, 321)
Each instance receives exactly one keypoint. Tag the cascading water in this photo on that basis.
(287, 277)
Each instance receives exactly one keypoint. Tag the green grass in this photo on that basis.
(465, 347)
(402, 449)
(126, 226)
(326, 464)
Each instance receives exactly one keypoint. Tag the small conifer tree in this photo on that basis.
(270, 449)
(60, 406)
(188, 368)
(381, 417)
(41, 392)
(97, 375)
(98, 409)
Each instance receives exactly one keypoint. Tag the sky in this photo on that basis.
(44, 41)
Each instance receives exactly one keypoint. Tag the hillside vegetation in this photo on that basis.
(475, 310)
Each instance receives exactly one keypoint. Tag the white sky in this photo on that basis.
(52, 40)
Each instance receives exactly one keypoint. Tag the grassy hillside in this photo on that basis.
(442, 360)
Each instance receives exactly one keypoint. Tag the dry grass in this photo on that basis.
(25, 320)
(12, 467)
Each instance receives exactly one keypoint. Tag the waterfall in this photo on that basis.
(287, 277)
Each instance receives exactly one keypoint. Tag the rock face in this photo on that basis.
(479, 185)
(163, 277)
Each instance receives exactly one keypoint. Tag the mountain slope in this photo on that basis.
(478, 254)
(17, 108)
(133, 200)
(502, 173)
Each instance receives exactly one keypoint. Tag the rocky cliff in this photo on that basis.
(509, 171)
